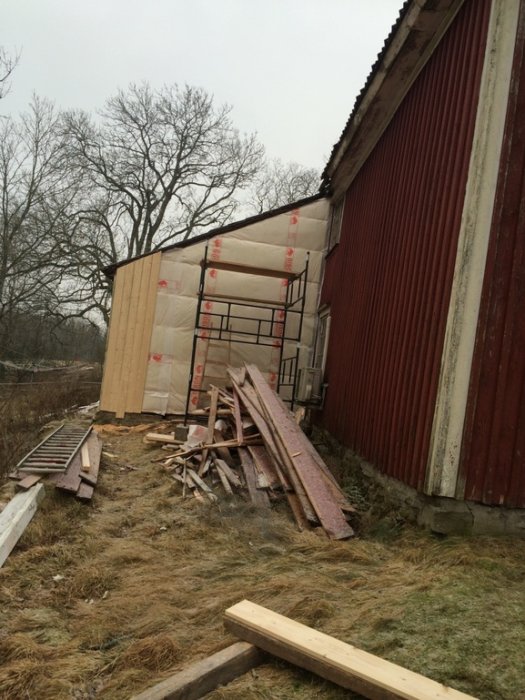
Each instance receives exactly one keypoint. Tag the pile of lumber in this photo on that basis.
(80, 477)
(256, 446)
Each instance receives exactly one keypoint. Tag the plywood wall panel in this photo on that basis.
(129, 335)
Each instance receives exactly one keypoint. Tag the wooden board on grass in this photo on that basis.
(28, 481)
(204, 676)
(331, 658)
(162, 438)
(94, 447)
(85, 492)
(16, 516)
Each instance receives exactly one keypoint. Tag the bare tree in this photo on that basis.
(7, 65)
(34, 216)
(278, 184)
(161, 165)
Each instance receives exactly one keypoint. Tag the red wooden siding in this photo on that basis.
(388, 282)
(492, 469)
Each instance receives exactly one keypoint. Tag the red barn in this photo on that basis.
(424, 284)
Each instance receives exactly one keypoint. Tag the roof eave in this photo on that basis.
(110, 270)
(419, 29)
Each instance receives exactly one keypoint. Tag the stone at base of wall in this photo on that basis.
(445, 516)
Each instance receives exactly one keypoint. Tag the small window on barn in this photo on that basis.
(321, 342)
(336, 219)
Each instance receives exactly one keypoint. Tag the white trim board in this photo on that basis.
(16, 516)
(460, 334)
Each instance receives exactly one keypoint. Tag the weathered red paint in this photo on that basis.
(388, 282)
(492, 466)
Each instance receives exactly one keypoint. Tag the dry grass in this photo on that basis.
(147, 577)
(25, 409)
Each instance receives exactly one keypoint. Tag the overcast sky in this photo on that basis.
(291, 69)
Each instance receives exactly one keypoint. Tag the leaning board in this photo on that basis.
(332, 659)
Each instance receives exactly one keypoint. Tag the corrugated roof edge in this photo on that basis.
(375, 67)
(110, 270)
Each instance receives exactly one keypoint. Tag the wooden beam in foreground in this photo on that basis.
(332, 659)
(16, 516)
(204, 676)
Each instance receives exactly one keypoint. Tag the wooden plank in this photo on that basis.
(211, 446)
(162, 437)
(135, 386)
(71, 479)
(223, 450)
(306, 468)
(85, 492)
(237, 416)
(16, 516)
(84, 458)
(120, 370)
(204, 676)
(251, 402)
(127, 373)
(259, 498)
(264, 465)
(228, 472)
(252, 270)
(28, 481)
(263, 429)
(213, 413)
(107, 392)
(132, 392)
(214, 397)
(136, 400)
(202, 484)
(287, 464)
(222, 476)
(331, 658)
(94, 445)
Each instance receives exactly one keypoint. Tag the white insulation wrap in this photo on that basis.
(278, 242)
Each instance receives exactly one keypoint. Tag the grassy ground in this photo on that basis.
(147, 576)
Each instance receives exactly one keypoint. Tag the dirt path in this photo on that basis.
(144, 578)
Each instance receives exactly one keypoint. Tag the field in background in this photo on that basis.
(102, 601)
(25, 407)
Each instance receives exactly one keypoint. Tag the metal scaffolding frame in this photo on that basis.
(271, 324)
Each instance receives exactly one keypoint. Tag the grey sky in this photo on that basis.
(291, 69)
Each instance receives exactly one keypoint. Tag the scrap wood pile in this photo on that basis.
(69, 459)
(256, 445)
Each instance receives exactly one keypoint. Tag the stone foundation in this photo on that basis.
(445, 516)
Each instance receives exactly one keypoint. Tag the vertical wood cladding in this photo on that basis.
(129, 337)
(388, 281)
(492, 468)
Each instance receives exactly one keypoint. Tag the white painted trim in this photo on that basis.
(458, 350)
(16, 516)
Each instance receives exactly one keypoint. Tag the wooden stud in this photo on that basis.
(204, 676)
(16, 516)
(150, 280)
(84, 458)
(331, 658)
